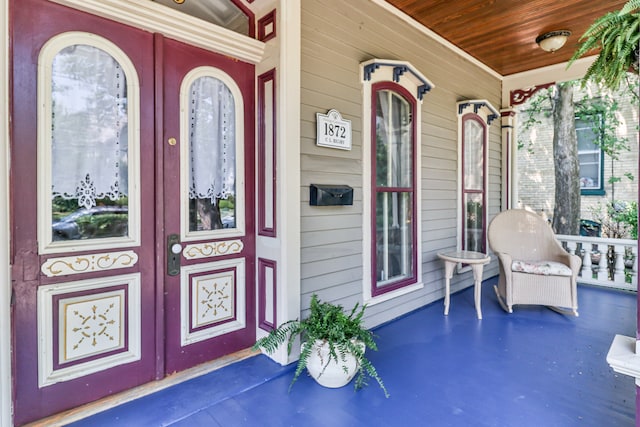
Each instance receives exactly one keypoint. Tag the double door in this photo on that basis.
(132, 213)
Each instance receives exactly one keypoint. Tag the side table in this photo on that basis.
(476, 260)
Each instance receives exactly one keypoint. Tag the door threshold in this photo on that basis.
(84, 411)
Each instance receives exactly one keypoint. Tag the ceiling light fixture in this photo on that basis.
(553, 40)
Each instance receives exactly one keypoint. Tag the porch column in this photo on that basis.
(288, 137)
(5, 277)
(509, 165)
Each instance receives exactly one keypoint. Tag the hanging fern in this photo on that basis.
(617, 36)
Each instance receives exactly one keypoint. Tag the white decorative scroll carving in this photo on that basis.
(88, 263)
(211, 249)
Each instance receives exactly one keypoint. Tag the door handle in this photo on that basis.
(174, 249)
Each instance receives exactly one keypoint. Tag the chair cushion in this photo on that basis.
(546, 268)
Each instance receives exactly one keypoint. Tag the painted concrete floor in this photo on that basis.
(534, 367)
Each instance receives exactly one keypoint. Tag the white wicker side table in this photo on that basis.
(476, 260)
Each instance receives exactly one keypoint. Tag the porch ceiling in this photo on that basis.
(501, 33)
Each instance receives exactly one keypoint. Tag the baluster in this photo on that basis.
(634, 268)
(618, 266)
(572, 247)
(586, 271)
(603, 273)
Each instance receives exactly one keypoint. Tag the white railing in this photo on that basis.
(606, 262)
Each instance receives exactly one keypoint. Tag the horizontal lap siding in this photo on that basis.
(336, 37)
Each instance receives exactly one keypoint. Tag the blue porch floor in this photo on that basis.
(534, 367)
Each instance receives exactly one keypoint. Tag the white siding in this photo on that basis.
(336, 37)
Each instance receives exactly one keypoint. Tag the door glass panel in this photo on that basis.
(89, 145)
(212, 159)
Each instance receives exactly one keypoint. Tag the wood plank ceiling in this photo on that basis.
(501, 33)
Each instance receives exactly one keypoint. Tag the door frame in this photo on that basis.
(150, 16)
(285, 57)
(5, 276)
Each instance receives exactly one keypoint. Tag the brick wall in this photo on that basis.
(536, 179)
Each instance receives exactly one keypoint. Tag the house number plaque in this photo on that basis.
(333, 131)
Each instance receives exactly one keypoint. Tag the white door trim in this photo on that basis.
(154, 17)
(5, 276)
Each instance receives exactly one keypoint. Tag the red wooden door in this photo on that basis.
(208, 192)
(96, 200)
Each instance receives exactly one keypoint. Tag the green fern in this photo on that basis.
(329, 323)
(617, 36)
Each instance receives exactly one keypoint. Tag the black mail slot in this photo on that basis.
(330, 195)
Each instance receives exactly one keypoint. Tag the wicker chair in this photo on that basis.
(534, 267)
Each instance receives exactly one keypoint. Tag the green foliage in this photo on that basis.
(601, 112)
(616, 35)
(106, 225)
(619, 219)
(539, 105)
(329, 323)
(61, 207)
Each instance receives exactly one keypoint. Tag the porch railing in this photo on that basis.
(606, 262)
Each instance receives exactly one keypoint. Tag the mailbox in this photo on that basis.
(330, 195)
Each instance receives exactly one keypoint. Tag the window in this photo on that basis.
(473, 189)
(392, 99)
(473, 120)
(394, 188)
(591, 158)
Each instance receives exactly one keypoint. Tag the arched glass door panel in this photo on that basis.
(88, 148)
(212, 160)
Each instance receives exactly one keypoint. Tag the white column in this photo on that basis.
(288, 122)
(509, 166)
(5, 276)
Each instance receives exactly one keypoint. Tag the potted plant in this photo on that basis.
(333, 345)
(616, 34)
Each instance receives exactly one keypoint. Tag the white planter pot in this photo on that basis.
(327, 371)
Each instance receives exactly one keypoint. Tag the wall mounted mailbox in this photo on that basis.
(330, 195)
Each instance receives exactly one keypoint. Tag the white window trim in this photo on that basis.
(586, 191)
(412, 81)
(488, 114)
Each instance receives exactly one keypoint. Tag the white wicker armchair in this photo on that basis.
(534, 267)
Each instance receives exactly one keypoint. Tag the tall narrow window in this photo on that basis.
(474, 117)
(393, 167)
(393, 92)
(473, 190)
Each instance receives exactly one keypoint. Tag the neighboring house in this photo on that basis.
(535, 170)
(217, 243)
